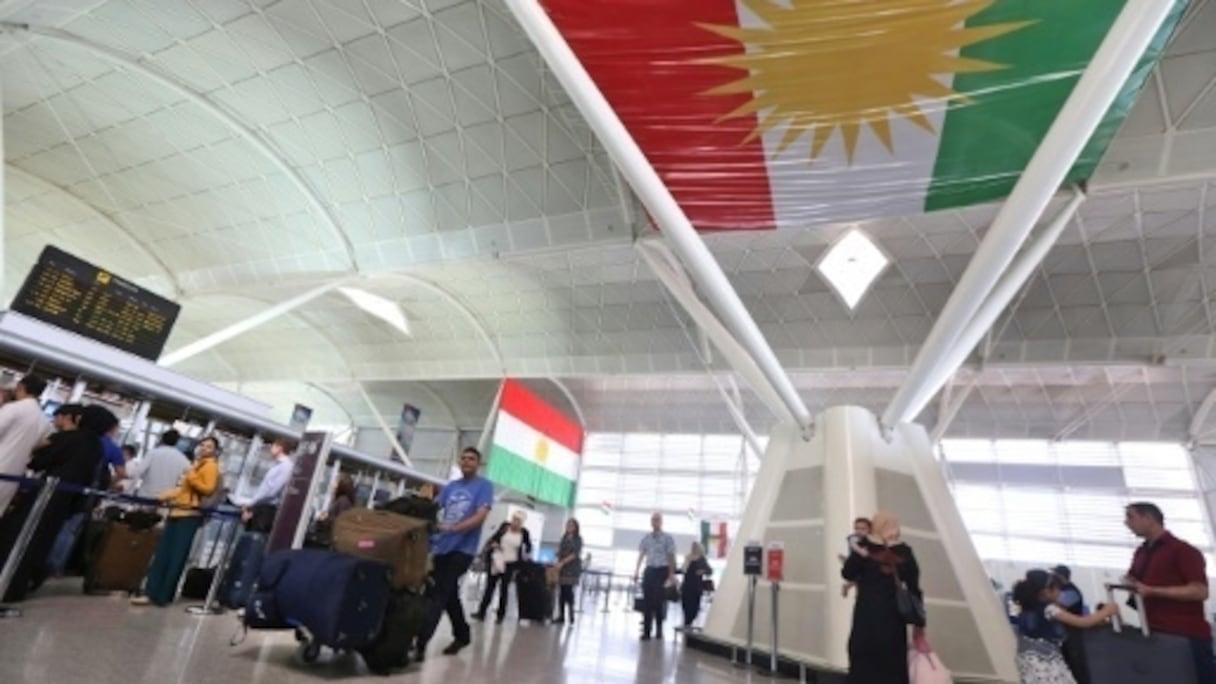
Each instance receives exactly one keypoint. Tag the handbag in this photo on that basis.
(927, 668)
(910, 606)
(671, 592)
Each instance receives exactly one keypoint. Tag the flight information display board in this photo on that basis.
(75, 295)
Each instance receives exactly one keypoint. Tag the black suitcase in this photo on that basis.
(403, 620)
(534, 597)
(1127, 655)
(197, 584)
(412, 506)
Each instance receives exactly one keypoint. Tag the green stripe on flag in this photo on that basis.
(511, 470)
(987, 143)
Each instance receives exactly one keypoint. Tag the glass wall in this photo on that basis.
(1024, 501)
(1045, 502)
(687, 477)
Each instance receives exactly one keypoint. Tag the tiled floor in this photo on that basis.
(66, 637)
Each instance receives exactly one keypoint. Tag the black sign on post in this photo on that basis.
(79, 297)
(290, 523)
(753, 559)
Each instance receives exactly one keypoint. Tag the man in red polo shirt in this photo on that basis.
(1170, 575)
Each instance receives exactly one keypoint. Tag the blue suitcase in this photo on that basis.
(243, 569)
(333, 600)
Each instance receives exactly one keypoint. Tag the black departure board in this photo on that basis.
(75, 295)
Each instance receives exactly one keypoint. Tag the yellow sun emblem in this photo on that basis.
(822, 65)
(542, 451)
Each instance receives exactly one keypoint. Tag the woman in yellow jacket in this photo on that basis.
(173, 549)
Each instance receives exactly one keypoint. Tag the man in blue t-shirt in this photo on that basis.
(464, 503)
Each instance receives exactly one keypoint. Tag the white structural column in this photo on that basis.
(1093, 95)
(676, 227)
(241, 327)
(732, 351)
(806, 496)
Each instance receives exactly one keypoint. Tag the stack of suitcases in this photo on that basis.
(367, 594)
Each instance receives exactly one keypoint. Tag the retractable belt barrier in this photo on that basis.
(222, 510)
(46, 487)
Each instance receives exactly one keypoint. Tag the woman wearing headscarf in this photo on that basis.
(696, 569)
(882, 567)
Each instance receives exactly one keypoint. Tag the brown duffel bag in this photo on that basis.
(395, 539)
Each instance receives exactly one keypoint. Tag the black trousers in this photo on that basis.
(447, 571)
(690, 596)
(565, 597)
(501, 582)
(654, 604)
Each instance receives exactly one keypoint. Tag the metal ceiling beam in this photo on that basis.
(731, 350)
(392, 437)
(243, 326)
(127, 235)
(250, 135)
(573, 400)
(964, 341)
(1099, 85)
(1196, 432)
(667, 213)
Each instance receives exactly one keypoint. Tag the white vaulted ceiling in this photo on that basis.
(233, 154)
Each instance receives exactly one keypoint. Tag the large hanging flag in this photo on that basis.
(536, 449)
(765, 113)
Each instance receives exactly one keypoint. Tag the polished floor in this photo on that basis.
(66, 637)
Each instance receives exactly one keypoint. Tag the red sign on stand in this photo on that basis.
(776, 562)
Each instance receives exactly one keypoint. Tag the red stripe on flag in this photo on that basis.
(642, 54)
(520, 402)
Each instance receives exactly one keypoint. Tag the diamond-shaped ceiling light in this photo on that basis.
(379, 307)
(852, 265)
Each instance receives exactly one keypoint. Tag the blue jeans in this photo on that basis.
(1205, 661)
(65, 543)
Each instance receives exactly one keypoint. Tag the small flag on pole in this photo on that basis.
(606, 507)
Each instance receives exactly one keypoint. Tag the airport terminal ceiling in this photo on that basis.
(234, 155)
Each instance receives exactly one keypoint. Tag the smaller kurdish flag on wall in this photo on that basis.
(536, 449)
(715, 538)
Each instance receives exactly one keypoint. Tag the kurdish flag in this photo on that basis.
(535, 448)
(715, 538)
(767, 113)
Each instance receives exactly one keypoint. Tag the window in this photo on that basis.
(1079, 523)
(688, 477)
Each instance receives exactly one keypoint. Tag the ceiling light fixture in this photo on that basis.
(379, 307)
(852, 265)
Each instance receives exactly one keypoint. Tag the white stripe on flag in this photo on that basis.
(523, 440)
(885, 184)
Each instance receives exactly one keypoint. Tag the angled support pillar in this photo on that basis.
(392, 436)
(909, 401)
(241, 327)
(658, 200)
(486, 438)
(731, 350)
(1099, 85)
(806, 496)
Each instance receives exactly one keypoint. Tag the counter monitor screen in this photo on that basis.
(77, 296)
